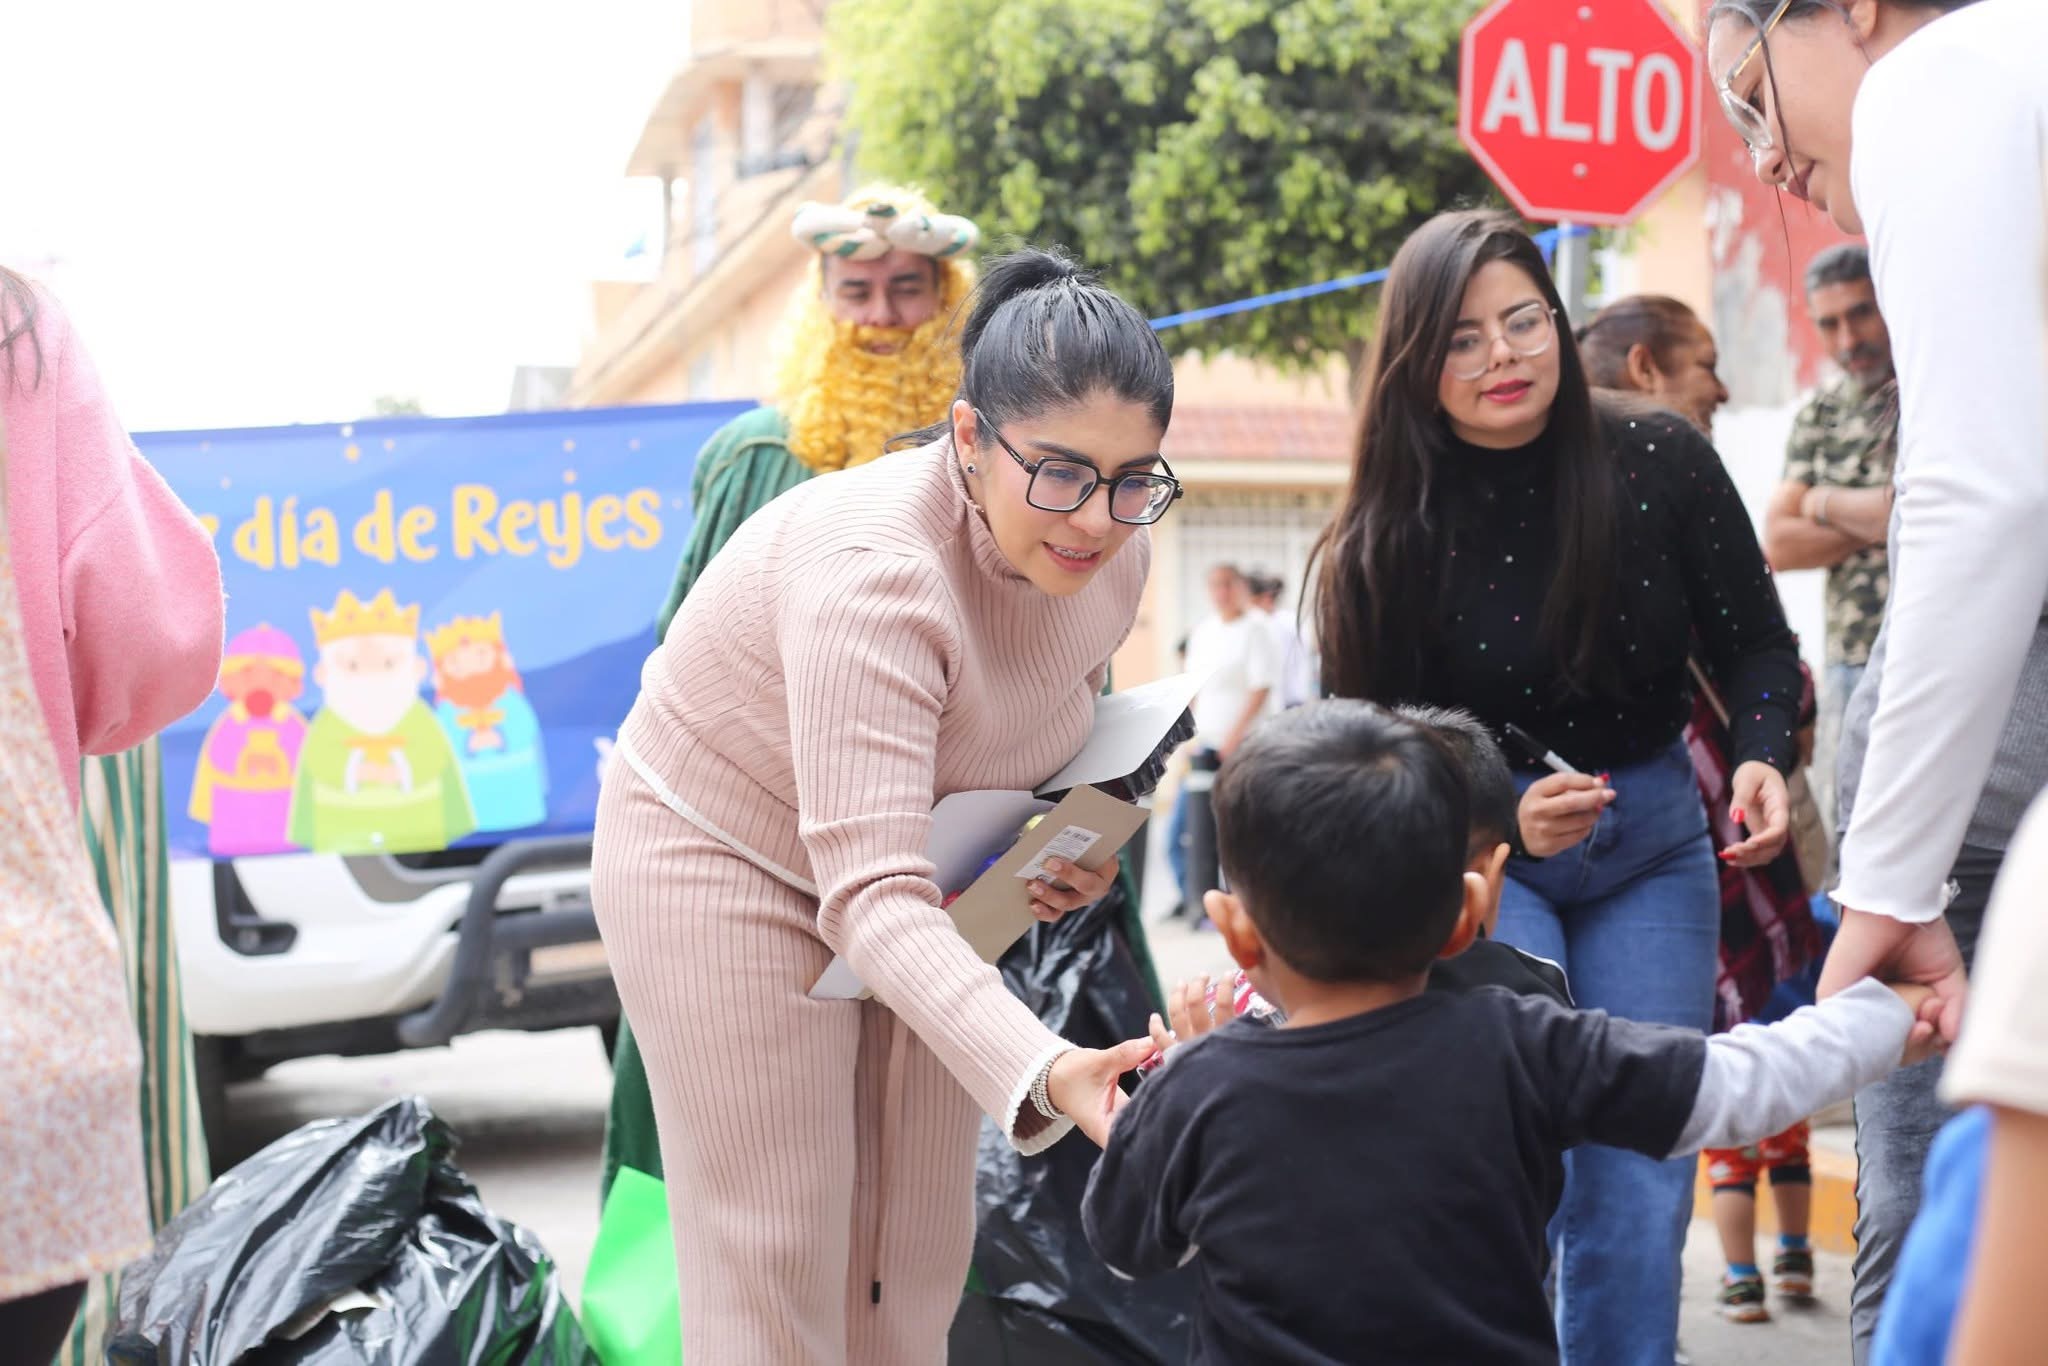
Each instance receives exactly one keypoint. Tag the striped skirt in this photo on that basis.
(122, 809)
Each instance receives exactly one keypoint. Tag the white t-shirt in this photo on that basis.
(2002, 1058)
(1297, 682)
(1949, 131)
(1240, 657)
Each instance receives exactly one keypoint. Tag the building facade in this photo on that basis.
(747, 129)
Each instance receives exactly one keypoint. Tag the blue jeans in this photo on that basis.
(1633, 914)
(1177, 844)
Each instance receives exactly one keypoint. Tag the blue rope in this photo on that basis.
(1545, 240)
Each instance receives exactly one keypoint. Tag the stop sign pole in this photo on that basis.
(1568, 267)
(1582, 111)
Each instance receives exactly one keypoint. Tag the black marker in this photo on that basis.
(1530, 750)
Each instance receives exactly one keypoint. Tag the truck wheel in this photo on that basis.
(210, 1072)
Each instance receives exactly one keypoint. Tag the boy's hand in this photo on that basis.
(1193, 1009)
(1162, 1039)
(1924, 1040)
(1560, 810)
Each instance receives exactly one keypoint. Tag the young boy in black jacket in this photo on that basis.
(1371, 1181)
(1193, 1009)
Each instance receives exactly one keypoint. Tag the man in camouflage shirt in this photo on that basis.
(1833, 509)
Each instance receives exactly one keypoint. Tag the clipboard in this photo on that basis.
(1087, 827)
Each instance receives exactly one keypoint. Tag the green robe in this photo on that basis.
(743, 467)
(379, 819)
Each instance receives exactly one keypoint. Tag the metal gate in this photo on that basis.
(1267, 530)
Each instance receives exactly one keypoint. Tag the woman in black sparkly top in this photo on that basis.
(1511, 546)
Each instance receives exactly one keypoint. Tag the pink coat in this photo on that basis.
(120, 590)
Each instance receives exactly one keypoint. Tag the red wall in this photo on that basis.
(1759, 301)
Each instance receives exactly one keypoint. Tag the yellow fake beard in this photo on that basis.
(844, 403)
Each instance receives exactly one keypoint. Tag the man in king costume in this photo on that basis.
(482, 706)
(242, 791)
(865, 351)
(868, 349)
(376, 774)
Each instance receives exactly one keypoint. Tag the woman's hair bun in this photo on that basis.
(1013, 275)
(1045, 334)
(1030, 268)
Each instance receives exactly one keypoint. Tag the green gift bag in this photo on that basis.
(632, 1311)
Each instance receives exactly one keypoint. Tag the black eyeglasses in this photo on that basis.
(1062, 485)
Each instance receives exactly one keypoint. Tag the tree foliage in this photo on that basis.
(1193, 151)
(396, 405)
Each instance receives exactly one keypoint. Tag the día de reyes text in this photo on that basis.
(281, 533)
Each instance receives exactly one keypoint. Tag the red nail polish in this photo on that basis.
(1739, 817)
(1727, 856)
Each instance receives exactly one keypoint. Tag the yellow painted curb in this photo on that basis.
(1834, 1200)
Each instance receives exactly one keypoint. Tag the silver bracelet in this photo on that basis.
(1041, 1099)
(1820, 511)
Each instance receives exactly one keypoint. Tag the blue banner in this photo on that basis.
(435, 625)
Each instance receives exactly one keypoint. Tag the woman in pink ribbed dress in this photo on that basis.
(934, 622)
(110, 629)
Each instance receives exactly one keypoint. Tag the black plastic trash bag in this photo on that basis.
(350, 1242)
(1040, 1296)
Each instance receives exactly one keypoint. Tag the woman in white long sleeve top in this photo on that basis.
(1922, 125)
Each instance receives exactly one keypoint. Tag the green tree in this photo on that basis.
(1194, 151)
(396, 405)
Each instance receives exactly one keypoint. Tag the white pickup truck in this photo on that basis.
(299, 955)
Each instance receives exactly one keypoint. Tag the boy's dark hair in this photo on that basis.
(1488, 779)
(1343, 828)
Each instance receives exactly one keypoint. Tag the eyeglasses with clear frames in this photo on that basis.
(1529, 331)
(1748, 115)
(1062, 485)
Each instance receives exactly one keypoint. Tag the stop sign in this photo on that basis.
(1579, 109)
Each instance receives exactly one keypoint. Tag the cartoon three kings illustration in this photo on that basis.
(483, 709)
(243, 788)
(376, 773)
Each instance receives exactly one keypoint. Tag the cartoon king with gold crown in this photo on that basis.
(482, 706)
(376, 774)
(242, 790)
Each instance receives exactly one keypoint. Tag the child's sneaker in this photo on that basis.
(1792, 1273)
(1742, 1299)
